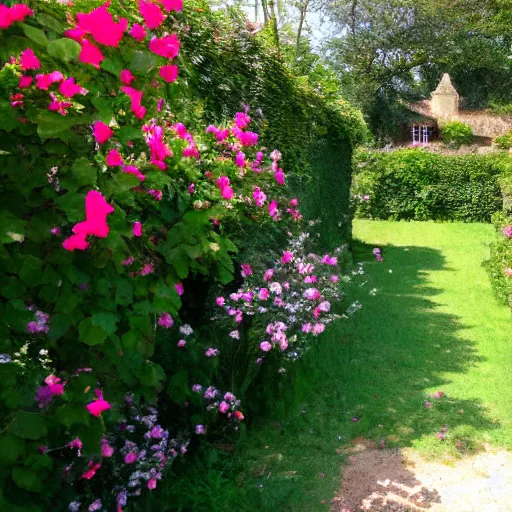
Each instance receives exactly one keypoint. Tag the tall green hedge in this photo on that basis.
(414, 184)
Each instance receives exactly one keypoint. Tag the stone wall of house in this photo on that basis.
(485, 125)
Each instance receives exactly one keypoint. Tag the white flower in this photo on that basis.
(186, 329)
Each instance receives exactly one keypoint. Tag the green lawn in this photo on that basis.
(429, 323)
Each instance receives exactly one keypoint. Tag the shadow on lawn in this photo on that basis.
(399, 345)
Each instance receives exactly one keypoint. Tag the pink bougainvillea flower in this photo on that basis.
(90, 54)
(165, 320)
(240, 159)
(151, 484)
(172, 5)
(45, 81)
(259, 196)
(212, 352)
(126, 77)
(91, 471)
(154, 137)
(279, 176)
(10, 15)
(294, 202)
(265, 346)
(220, 301)
(287, 257)
(130, 458)
(167, 46)
(99, 405)
(180, 289)
(77, 34)
(182, 343)
(312, 294)
(200, 429)
(152, 14)
(114, 158)
(318, 329)
(106, 450)
(138, 32)
(169, 73)
(96, 211)
(52, 388)
(28, 60)
(128, 261)
(246, 270)
(334, 279)
(242, 120)
(329, 260)
(267, 276)
(75, 242)
(157, 194)
(101, 25)
(147, 269)
(224, 407)
(25, 81)
(136, 98)
(220, 135)
(59, 106)
(272, 208)
(76, 443)
(137, 229)
(227, 193)
(263, 294)
(68, 88)
(101, 132)
(507, 231)
(130, 169)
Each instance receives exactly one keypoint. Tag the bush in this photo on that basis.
(456, 134)
(504, 141)
(413, 184)
(116, 228)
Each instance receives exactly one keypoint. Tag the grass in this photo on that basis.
(429, 323)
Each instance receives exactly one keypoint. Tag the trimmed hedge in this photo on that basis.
(414, 184)
(456, 133)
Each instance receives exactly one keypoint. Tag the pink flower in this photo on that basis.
(200, 429)
(58, 106)
(52, 388)
(147, 269)
(90, 54)
(242, 120)
(182, 343)
(507, 231)
(126, 77)
(44, 82)
(172, 5)
(212, 352)
(28, 60)
(508, 272)
(136, 98)
(307, 328)
(114, 159)
(138, 32)
(246, 270)
(77, 34)
(75, 242)
(128, 261)
(247, 138)
(220, 301)
(428, 404)
(197, 388)
(157, 194)
(91, 470)
(334, 279)
(102, 27)
(272, 208)
(294, 202)
(263, 294)
(130, 169)
(259, 196)
(68, 88)
(55, 231)
(137, 229)
(130, 458)
(99, 405)
(279, 176)
(106, 449)
(265, 346)
(18, 12)
(310, 279)
(318, 328)
(101, 132)
(287, 257)
(329, 260)
(312, 294)
(169, 73)
(76, 443)
(224, 407)
(152, 484)
(25, 81)
(267, 276)
(240, 159)
(167, 46)
(438, 394)
(227, 193)
(152, 14)
(165, 320)
(191, 188)
(179, 288)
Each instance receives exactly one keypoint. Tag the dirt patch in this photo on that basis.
(402, 481)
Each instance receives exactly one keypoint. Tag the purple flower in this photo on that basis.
(130, 458)
(95, 505)
(166, 320)
(200, 429)
(197, 388)
(212, 352)
(157, 432)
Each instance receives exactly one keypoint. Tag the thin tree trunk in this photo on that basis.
(303, 13)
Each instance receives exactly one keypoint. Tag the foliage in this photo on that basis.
(116, 224)
(416, 184)
(455, 133)
(504, 141)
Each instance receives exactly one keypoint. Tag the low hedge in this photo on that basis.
(414, 184)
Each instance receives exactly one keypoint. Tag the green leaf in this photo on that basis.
(104, 107)
(151, 374)
(82, 173)
(11, 288)
(178, 388)
(142, 62)
(71, 414)
(64, 49)
(27, 479)
(91, 334)
(30, 272)
(113, 66)
(50, 124)
(179, 260)
(107, 321)
(12, 229)
(59, 326)
(35, 34)
(50, 22)
(28, 425)
(11, 448)
(38, 461)
(124, 292)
